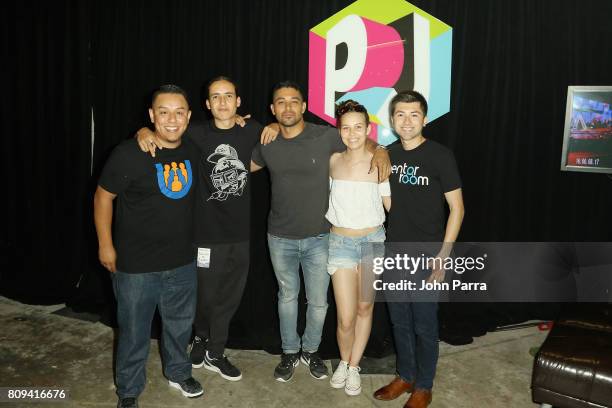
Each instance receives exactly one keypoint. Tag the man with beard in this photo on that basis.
(298, 232)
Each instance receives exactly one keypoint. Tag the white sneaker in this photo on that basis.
(353, 381)
(338, 380)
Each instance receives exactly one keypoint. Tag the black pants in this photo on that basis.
(220, 289)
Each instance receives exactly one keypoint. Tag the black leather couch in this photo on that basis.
(573, 368)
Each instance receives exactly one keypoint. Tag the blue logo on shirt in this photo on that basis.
(174, 179)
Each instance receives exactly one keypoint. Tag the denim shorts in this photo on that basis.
(347, 252)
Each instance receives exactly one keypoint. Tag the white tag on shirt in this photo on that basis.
(203, 258)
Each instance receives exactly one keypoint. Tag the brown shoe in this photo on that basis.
(419, 399)
(393, 390)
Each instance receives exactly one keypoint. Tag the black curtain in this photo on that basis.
(46, 148)
(512, 63)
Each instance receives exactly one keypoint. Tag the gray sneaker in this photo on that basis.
(317, 367)
(284, 370)
(190, 388)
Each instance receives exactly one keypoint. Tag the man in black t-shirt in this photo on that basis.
(424, 175)
(149, 251)
(222, 221)
(223, 215)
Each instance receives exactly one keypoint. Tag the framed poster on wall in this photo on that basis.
(587, 137)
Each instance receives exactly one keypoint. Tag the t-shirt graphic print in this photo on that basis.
(174, 179)
(229, 175)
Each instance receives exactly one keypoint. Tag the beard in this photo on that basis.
(290, 122)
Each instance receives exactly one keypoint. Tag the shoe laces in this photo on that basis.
(315, 360)
(343, 365)
(287, 360)
(190, 382)
(341, 371)
(221, 361)
(198, 346)
(352, 379)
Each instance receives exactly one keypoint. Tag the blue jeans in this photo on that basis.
(415, 331)
(138, 294)
(287, 255)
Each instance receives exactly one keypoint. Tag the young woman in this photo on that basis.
(356, 213)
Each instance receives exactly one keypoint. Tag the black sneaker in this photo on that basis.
(317, 367)
(284, 370)
(222, 366)
(190, 388)
(198, 351)
(129, 402)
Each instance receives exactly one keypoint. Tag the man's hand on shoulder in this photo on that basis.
(269, 133)
(381, 162)
(148, 141)
(241, 120)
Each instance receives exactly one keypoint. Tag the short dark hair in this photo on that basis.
(169, 89)
(407, 97)
(288, 84)
(351, 106)
(221, 78)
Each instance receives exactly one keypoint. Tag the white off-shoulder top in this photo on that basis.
(356, 204)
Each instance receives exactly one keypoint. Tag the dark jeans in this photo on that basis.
(138, 294)
(220, 289)
(415, 331)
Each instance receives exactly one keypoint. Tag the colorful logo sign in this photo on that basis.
(174, 179)
(371, 50)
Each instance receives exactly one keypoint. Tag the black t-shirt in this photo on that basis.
(222, 207)
(419, 178)
(153, 222)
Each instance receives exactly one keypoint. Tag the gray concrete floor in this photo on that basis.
(40, 349)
